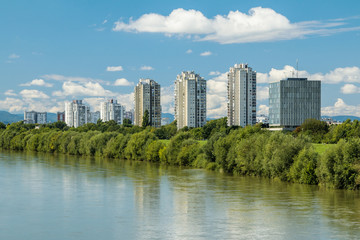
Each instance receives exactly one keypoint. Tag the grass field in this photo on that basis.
(321, 148)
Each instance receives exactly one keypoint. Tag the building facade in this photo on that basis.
(241, 96)
(147, 97)
(190, 100)
(60, 116)
(294, 100)
(41, 118)
(76, 113)
(94, 117)
(112, 110)
(129, 115)
(35, 117)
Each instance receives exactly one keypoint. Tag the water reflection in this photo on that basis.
(69, 197)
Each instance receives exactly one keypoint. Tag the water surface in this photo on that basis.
(45, 196)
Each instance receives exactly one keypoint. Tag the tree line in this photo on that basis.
(288, 156)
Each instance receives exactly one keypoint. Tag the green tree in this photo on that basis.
(127, 122)
(2, 125)
(136, 147)
(314, 128)
(146, 119)
(303, 170)
(152, 151)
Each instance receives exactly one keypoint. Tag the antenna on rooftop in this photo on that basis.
(297, 68)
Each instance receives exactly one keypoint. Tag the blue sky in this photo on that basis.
(55, 51)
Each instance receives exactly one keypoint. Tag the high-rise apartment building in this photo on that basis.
(35, 117)
(61, 116)
(147, 97)
(94, 117)
(294, 100)
(129, 115)
(241, 96)
(190, 100)
(76, 113)
(112, 110)
(30, 117)
(41, 118)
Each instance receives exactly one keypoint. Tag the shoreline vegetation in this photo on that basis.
(315, 153)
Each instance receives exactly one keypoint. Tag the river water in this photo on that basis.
(45, 196)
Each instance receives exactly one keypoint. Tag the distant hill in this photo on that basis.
(7, 117)
(168, 115)
(52, 117)
(342, 118)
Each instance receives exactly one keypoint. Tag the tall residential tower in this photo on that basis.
(241, 96)
(76, 113)
(35, 117)
(190, 100)
(147, 97)
(112, 110)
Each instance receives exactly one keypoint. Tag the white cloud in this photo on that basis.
(217, 85)
(114, 69)
(217, 96)
(216, 105)
(122, 82)
(146, 68)
(29, 93)
(58, 106)
(340, 108)
(189, 51)
(258, 25)
(95, 103)
(263, 110)
(346, 74)
(126, 100)
(12, 104)
(262, 93)
(83, 89)
(13, 56)
(205, 54)
(62, 78)
(214, 73)
(105, 21)
(10, 92)
(167, 99)
(37, 82)
(350, 89)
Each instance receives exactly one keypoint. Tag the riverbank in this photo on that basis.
(242, 151)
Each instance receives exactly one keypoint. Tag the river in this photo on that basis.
(46, 196)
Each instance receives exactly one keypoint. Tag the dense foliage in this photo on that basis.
(244, 151)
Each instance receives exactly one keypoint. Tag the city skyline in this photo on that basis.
(93, 51)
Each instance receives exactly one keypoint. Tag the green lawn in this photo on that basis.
(321, 148)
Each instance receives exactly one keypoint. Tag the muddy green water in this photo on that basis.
(44, 196)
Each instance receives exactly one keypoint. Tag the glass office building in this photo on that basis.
(294, 100)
